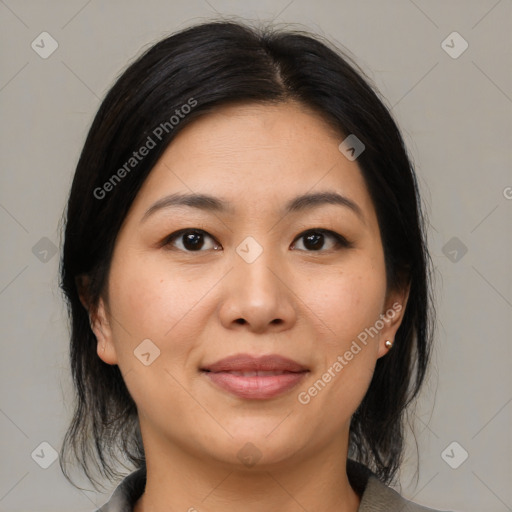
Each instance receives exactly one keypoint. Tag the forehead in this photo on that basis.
(256, 157)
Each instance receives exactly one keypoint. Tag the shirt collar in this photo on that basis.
(375, 496)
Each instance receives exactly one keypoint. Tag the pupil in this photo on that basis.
(315, 239)
(193, 241)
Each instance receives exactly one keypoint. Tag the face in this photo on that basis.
(251, 273)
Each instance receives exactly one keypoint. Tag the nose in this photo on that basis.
(258, 296)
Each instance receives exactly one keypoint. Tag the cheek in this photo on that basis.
(151, 301)
(347, 301)
(348, 354)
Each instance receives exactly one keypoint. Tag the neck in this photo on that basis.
(179, 480)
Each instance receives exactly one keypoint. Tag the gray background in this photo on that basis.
(455, 114)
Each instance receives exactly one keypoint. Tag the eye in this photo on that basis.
(191, 240)
(196, 240)
(315, 240)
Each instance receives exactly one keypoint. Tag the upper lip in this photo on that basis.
(247, 362)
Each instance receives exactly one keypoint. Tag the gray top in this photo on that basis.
(375, 496)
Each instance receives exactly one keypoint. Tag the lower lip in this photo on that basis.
(257, 387)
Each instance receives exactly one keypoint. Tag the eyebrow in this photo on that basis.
(206, 202)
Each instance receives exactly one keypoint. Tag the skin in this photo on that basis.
(294, 301)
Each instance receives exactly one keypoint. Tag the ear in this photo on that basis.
(99, 321)
(392, 316)
(100, 325)
(82, 286)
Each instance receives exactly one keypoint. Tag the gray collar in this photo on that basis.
(375, 496)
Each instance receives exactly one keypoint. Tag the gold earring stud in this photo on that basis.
(388, 344)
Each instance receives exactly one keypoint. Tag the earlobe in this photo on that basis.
(101, 328)
(98, 320)
(392, 318)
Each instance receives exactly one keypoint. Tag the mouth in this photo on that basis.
(256, 378)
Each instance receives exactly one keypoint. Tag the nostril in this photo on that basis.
(240, 321)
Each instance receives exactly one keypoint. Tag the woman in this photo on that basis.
(247, 278)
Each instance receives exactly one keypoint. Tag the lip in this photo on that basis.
(255, 377)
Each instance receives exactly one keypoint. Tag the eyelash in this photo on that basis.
(340, 241)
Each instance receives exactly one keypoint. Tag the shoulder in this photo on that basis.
(380, 497)
(126, 493)
(375, 495)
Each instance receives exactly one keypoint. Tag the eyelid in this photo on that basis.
(341, 241)
(176, 234)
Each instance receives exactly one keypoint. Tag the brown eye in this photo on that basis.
(191, 240)
(322, 239)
